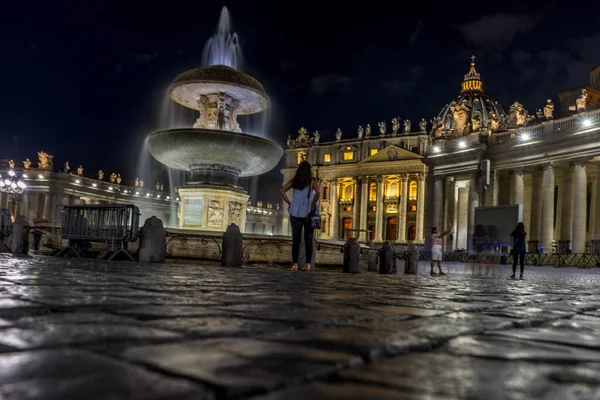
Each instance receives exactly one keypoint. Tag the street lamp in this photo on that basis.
(12, 185)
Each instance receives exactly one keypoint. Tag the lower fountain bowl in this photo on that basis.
(189, 149)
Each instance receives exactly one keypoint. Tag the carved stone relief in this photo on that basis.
(215, 214)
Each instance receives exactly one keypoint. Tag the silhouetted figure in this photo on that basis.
(518, 249)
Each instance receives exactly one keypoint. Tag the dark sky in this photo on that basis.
(85, 80)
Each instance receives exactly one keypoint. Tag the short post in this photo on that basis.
(20, 236)
(387, 259)
(412, 260)
(233, 243)
(352, 256)
(153, 241)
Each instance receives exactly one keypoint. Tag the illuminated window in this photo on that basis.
(413, 208)
(373, 192)
(392, 190)
(412, 191)
(348, 192)
(301, 156)
(373, 152)
(348, 208)
(327, 158)
(348, 155)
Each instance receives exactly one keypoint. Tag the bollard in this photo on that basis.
(351, 256)
(411, 265)
(387, 259)
(233, 244)
(153, 241)
(20, 236)
(373, 261)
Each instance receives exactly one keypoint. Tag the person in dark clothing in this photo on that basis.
(518, 236)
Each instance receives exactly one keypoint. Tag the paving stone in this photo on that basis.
(76, 334)
(509, 348)
(75, 374)
(12, 308)
(528, 316)
(359, 340)
(419, 312)
(449, 376)
(348, 391)
(74, 318)
(241, 366)
(562, 336)
(219, 326)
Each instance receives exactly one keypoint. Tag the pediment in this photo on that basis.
(393, 153)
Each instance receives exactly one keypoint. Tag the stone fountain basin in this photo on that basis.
(181, 148)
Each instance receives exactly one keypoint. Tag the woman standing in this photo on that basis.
(518, 236)
(304, 201)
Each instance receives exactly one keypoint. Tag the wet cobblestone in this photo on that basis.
(68, 327)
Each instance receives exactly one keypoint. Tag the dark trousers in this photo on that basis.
(297, 225)
(521, 258)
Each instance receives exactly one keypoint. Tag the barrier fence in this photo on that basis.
(112, 224)
(5, 228)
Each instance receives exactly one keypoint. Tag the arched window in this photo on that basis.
(373, 192)
(325, 194)
(348, 192)
(412, 190)
(392, 190)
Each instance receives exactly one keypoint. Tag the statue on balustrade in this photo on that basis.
(423, 126)
(119, 179)
(460, 117)
(494, 123)
(137, 182)
(80, 170)
(368, 130)
(141, 183)
(157, 186)
(44, 160)
(407, 126)
(517, 115)
(548, 109)
(382, 128)
(395, 126)
(338, 134)
(360, 132)
(11, 164)
(100, 175)
(582, 100)
(67, 168)
(27, 163)
(162, 187)
(289, 141)
(316, 137)
(539, 113)
(113, 178)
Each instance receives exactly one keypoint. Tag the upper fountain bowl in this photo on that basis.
(187, 88)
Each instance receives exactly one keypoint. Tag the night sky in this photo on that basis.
(85, 80)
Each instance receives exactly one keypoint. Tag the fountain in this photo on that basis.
(215, 150)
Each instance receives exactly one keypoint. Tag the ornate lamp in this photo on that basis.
(12, 185)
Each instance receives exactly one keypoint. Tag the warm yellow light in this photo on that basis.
(373, 152)
(412, 190)
(301, 156)
(348, 155)
(327, 158)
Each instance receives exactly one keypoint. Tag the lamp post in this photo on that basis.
(12, 186)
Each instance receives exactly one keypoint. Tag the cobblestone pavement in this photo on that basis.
(91, 330)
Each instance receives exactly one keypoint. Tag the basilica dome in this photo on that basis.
(471, 111)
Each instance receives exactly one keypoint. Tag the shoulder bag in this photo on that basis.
(313, 215)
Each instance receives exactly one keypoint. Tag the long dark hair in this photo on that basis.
(303, 176)
(519, 230)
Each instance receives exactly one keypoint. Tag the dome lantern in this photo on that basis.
(472, 81)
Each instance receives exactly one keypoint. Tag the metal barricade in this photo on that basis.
(112, 224)
(5, 228)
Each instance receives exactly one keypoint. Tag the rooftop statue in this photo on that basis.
(548, 109)
(44, 160)
(407, 126)
(382, 128)
(27, 163)
(423, 126)
(395, 125)
(338, 134)
(80, 170)
(316, 137)
(368, 130)
(581, 100)
(360, 132)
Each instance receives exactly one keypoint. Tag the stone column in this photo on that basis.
(495, 188)
(420, 234)
(597, 212)
(402, 209)
(356, 217)
(518, 187)
(462, 218)
(566, 209)
(473, 203)
(547, 222)
(579, 207)
(449, 199)
(536, 210)
(25, 207)
(335, 204)
(364, 202)
(379, 210)
(438, 202)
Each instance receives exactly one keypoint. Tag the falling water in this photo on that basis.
(223, 47)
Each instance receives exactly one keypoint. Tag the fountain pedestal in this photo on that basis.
(212, 208)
